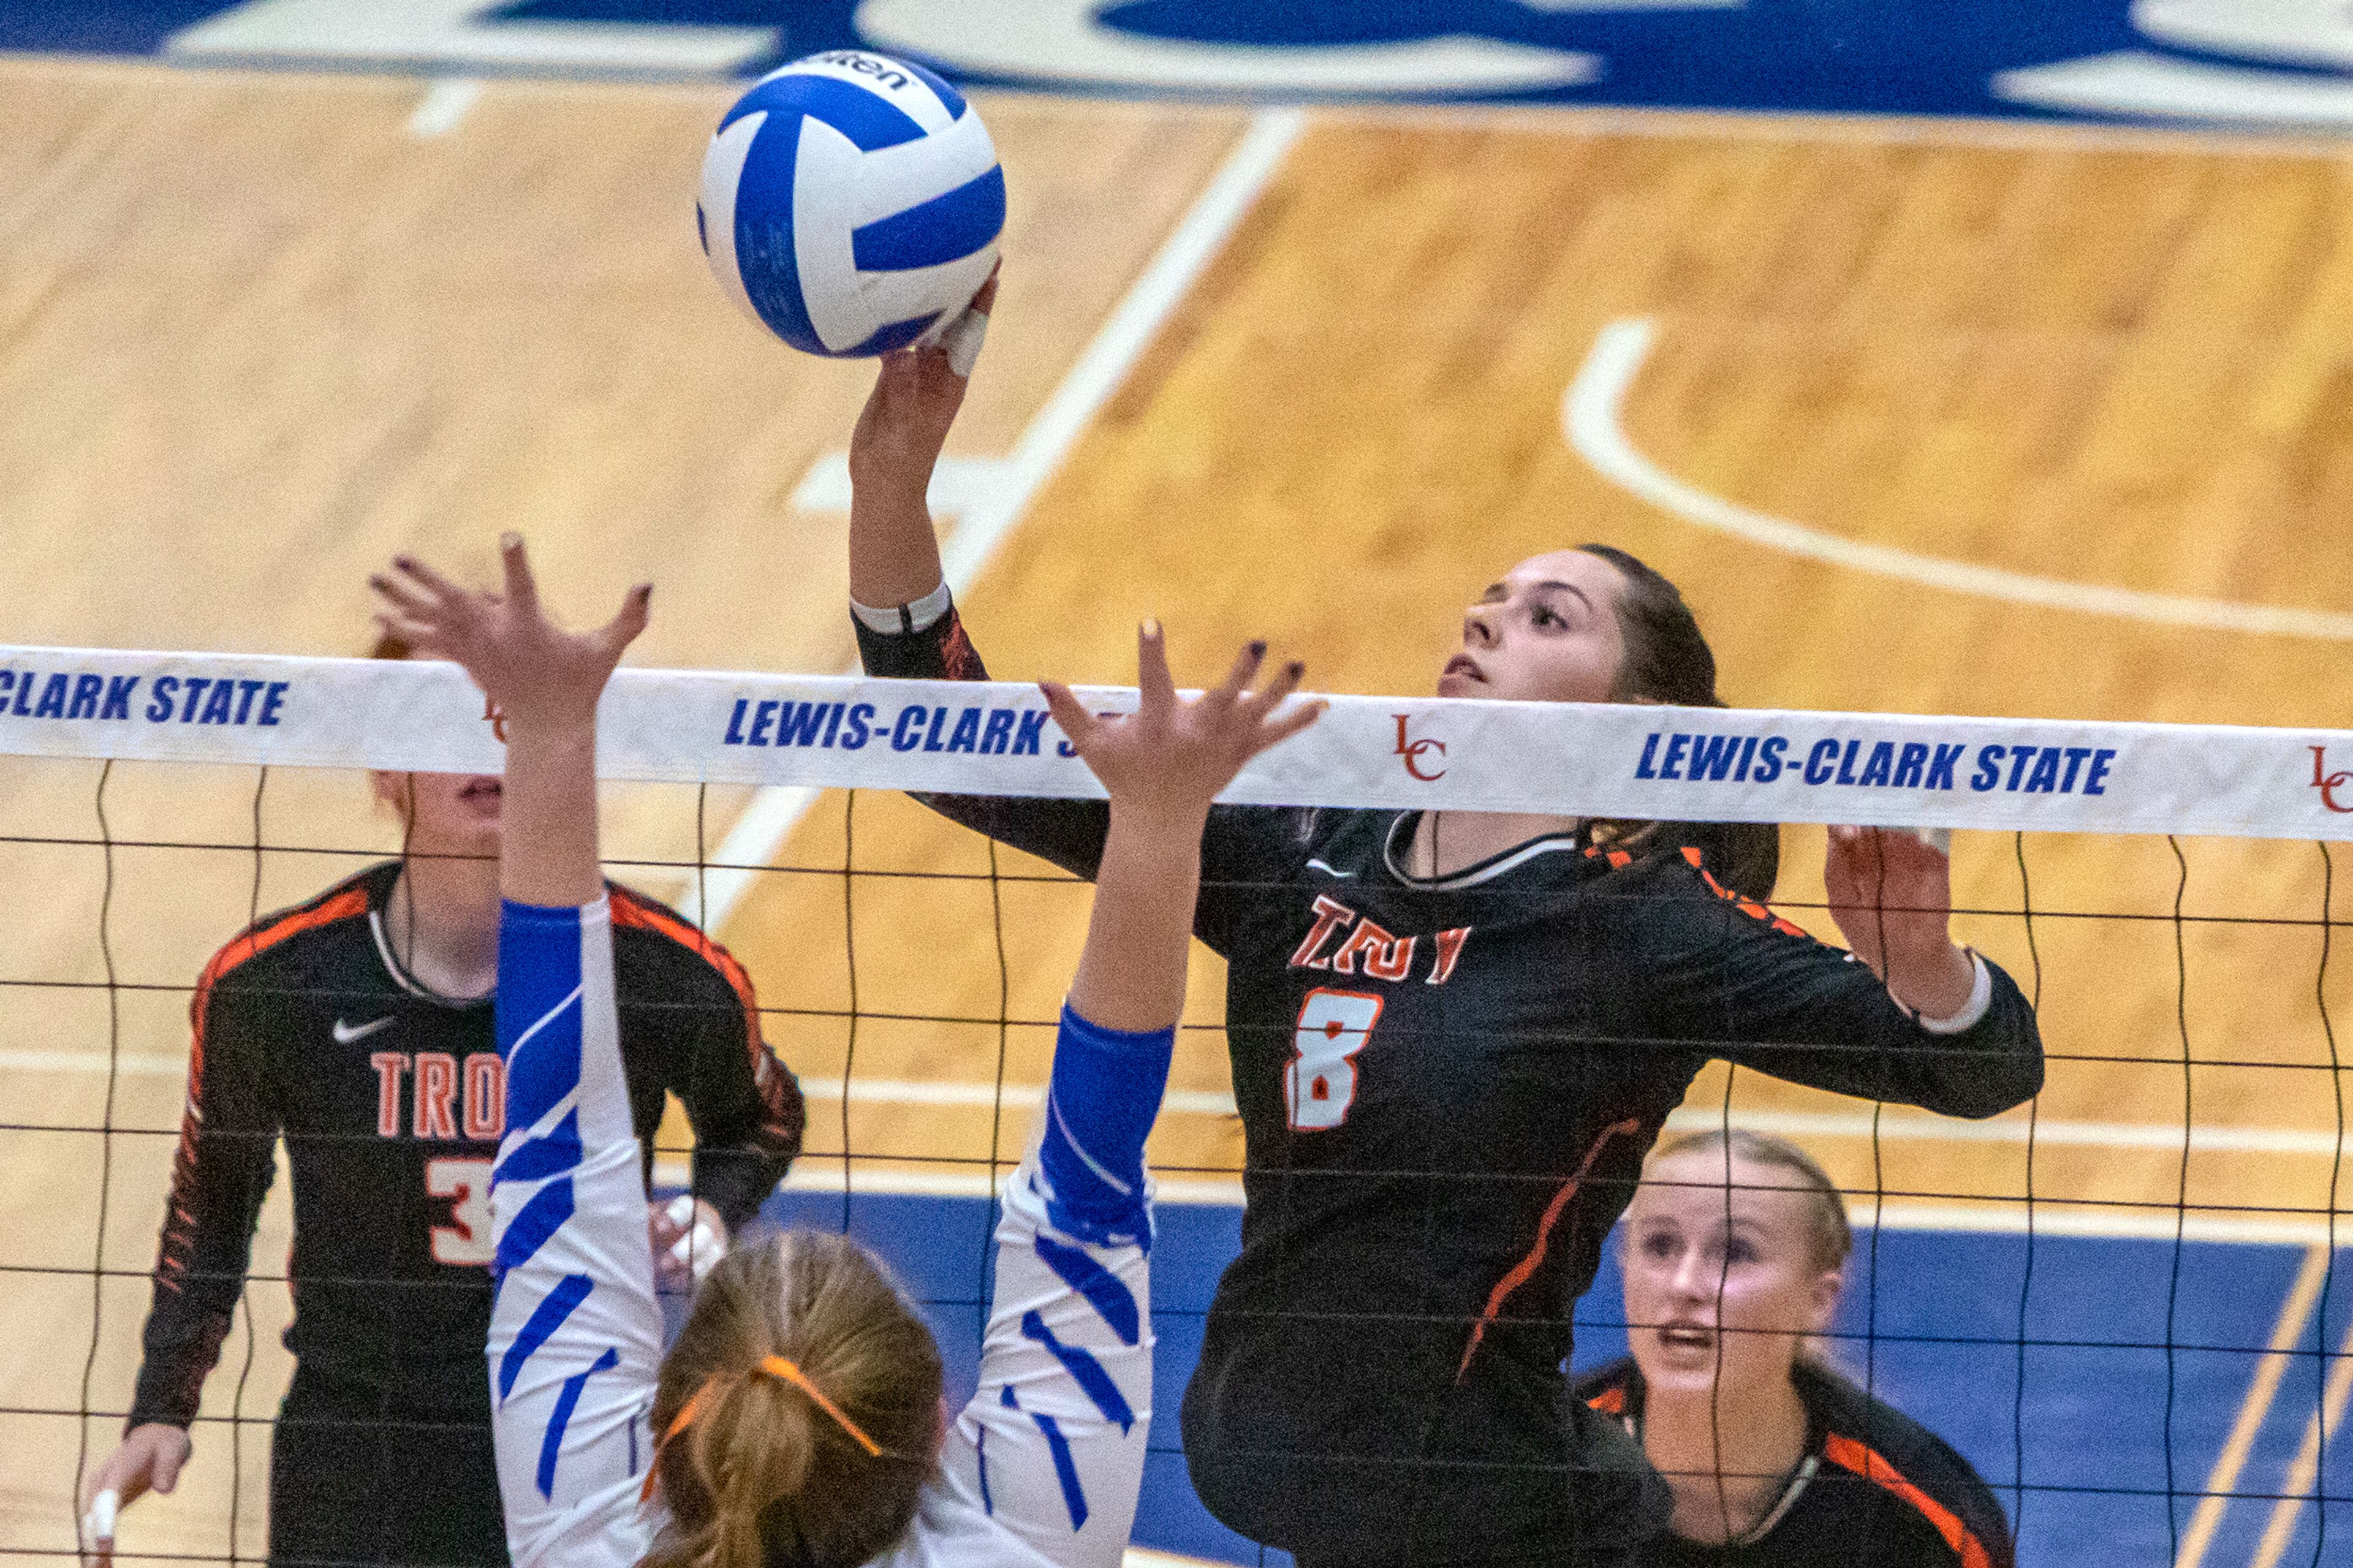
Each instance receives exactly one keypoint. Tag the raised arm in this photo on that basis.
(894, 559)
(907, 625)
(1053, 1443)
(575, 1334)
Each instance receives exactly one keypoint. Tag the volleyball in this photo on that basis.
(851, 202)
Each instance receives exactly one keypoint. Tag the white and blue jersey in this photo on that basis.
(1043, 1466)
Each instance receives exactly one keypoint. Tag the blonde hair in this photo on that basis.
(1830, 1237)
(764, 1469)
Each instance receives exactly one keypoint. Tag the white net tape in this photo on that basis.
(994, 738)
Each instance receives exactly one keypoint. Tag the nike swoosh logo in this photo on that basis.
(347, 1033)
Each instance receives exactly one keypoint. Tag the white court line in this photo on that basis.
(1589, 414)
(2295, 1313)
(760, 832)
(444, 104)
(2067, 138)
(820, 1172)
(2306, 1464)
(823, 1175)
(959, 485)
(1894, 1127)
(1903, 1127)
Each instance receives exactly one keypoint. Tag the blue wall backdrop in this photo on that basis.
(2289, 62)
(2137, 1357)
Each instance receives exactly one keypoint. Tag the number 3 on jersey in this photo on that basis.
(1320, 1082)
(467, 1241)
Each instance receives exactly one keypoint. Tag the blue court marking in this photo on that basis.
(2054, 59)
(2093, 1422)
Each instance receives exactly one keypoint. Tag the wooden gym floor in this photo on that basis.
(257, 333)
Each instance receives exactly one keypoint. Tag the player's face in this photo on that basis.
(1714, 1285)
(1546, 631)
(445, 814)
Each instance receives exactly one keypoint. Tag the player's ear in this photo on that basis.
(1823, 1304)
(394, 792)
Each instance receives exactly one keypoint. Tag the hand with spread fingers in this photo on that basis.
(531, 669)
(547, 682)
(1172, 754)
(1163, 764)
(1892, 894)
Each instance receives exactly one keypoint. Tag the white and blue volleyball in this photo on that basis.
(851, 202)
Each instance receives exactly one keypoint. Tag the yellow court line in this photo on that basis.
(2301, 1474)
(2295, 1313)
(1589, 417)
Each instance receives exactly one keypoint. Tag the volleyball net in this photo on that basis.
(2122, 1302)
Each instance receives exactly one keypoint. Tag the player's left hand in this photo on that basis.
(1172, 754)
(689, 1239)
(1891, 892)
(521, 660)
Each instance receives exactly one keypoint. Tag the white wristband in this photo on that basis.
(1980, 1000)
(904, 620)
(98, 1524)
(963, 339)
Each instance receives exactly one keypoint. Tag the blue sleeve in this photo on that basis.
(1052, 1446)
(575, 1334)
(1101, 1100)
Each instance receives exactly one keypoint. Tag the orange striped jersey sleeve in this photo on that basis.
(224, 1165)
(1850, 1455)
(688, 1004)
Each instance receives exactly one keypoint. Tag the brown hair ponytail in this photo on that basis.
(760, 1471)
(1668, 660)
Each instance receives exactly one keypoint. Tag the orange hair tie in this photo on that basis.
(776, 1366)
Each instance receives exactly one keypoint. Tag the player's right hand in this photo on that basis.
(916, 394)
(148, 1459)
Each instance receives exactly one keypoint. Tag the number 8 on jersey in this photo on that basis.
(1320, 1082)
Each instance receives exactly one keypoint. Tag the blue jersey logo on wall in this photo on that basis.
(2243, 62)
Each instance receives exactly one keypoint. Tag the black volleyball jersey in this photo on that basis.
(1876, 1490)
(390, 1100)
(1447, 1090)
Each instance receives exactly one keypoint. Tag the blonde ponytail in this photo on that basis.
(799, 1411)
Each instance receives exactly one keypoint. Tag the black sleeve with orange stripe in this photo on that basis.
(1915, 1469)
(1065, 832)
(1243, 847)
(1726, 976)
(745, 1106)
(220, 1174)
